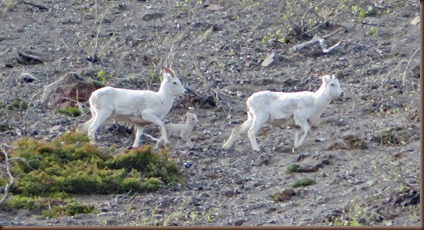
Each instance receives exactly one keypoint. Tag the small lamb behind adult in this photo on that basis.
(139, 107)
(181, 130)
(305, 107)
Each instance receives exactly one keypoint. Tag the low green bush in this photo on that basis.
(303, 183)
(51, 206)
(70, 110)
(71, 164)
(17, 104)
(293, 168)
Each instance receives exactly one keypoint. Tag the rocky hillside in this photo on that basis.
(363, 158)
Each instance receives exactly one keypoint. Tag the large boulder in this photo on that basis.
(66, 91)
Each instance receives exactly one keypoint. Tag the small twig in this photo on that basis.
(399, 177)
(7, 50)
(322, 23)
(379, 52)
(80, 105)
(311, 11)
(409, 62)
(100, 21)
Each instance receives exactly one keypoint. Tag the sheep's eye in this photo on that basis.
(332, 84)
(174, 83)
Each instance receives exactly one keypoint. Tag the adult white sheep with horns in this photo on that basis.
(139, 107)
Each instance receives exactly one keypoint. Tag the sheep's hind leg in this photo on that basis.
(256, 125)
(237, 131)
(154, 119)
(83, 128)
(98, 120)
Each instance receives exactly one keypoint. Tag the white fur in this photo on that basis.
(139, 107)
(305, 107)
(181, 130)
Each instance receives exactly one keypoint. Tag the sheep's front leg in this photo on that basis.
(296, 137)
(138, 135)
(187, 139)
(303, 123)
(154, 119)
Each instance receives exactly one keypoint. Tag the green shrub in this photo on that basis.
(303, 183)
(283, 195)
(4, 127)
(149, 163)
(70, 209)
(70, 110)
(293, 168)
(57, 204)
(71, 164)
(17, 104)
(97, 84)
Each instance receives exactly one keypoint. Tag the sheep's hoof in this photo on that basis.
(256, 149)
(226, 146)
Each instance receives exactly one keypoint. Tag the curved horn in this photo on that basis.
(169, 70)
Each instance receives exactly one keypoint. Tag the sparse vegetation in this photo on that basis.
(393, 136)
(51, 206)
(71, 111)
(303, 183)
(70, 164)
(293, 168)
(17, 104)
(283, 195)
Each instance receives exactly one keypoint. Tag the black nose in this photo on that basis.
(341, 94)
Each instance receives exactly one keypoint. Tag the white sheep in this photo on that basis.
(181, 130)
(139, 107)
(305, 107)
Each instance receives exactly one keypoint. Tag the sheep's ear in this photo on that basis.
(167, 76)
(333, 76)
(325, 78)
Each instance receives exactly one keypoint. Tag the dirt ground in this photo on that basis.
(364, 156)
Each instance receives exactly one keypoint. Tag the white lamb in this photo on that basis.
(181, 130)
(305, 107)
(139, 107)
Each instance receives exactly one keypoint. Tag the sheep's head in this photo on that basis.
(332, 86)
(192, 118)
(173, 83)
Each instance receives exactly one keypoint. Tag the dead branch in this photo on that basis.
(26, 58)
(220, 103)
(320, 40)
(11, 181)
